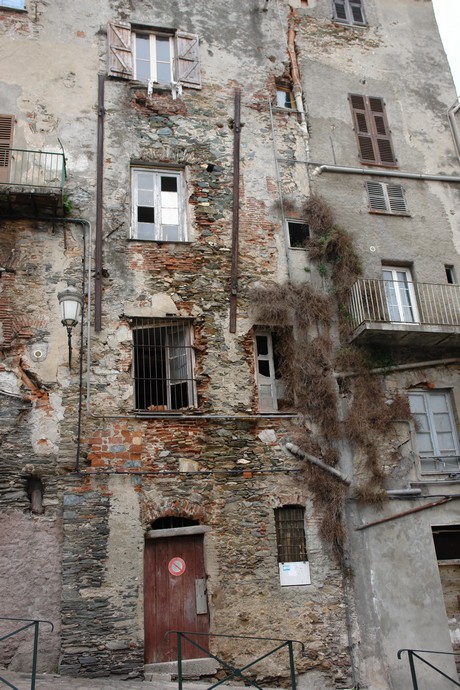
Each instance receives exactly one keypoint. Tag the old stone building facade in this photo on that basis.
(256, 435)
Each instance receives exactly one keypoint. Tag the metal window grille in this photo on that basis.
(290, 534)
(163, 364)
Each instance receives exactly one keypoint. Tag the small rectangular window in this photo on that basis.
(299, 234)
(292, 550)
(386, 198)
(153, 58)
(163, 362)
(285, 98)
(349, 12)
(450, 275)
(13, 4)
(436, 432)
(158, 211)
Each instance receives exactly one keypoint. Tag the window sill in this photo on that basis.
(389, 213)
(350, 25)
(136, 239)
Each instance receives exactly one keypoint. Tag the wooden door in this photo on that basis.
(174, 596)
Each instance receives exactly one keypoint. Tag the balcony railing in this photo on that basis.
(404, 303)
(40, 169)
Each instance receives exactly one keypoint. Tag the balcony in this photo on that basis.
(31, 183)
(405, 313)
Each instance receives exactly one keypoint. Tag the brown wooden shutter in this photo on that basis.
(6, 143)
(188, 60)
(363, 129)
(120, 50)
(381, 132)
(372, 131)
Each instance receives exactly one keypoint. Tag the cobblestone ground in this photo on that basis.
(50, 681)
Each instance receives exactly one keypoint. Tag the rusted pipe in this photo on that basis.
(236, 210)
(99, 201)
(295, 72)
(406, 512)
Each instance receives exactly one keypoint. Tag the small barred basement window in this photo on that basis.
(292, 550)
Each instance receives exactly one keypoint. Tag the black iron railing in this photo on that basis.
(415, 654)
(29, 623)
(234, 672)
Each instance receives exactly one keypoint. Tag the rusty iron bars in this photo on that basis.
(425, 303)
(415, 654)
(41, 169)
(236, 673)
(29, 624)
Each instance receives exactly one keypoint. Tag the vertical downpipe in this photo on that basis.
(236, 210)
(99, 196)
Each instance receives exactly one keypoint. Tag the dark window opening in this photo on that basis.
(299, 233)
(447, 542)
(290, 534)
(35, 492)
(450, 275)
(168, 184)
(145, 214)
(171, 522)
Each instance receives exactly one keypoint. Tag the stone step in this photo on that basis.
(191, 668)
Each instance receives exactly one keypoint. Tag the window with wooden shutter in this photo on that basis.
(6, 143)
(153, 57)
(386, 198)
(349, 12)
(188, 60)
(372, 131)
(120, 50)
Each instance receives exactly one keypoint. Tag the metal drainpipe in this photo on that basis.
(400, 367)
(453, 110)
(384, 173)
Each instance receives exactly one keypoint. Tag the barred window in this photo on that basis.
(290, 534)
(163, 364)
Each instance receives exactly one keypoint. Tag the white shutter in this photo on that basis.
(377, 200)
(120, 50)
(188, 60)
(396, 198)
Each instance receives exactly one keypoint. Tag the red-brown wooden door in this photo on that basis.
(173, 602)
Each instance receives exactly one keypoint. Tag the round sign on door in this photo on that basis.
(176, 566)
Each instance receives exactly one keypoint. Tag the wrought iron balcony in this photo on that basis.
(31, 182)
(403, 312)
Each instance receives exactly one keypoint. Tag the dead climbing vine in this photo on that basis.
(302, 317)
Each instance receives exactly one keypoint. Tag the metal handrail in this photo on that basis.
(413, 653)
(233, 671)
(30, 622)
(24, 168)
(419, 303)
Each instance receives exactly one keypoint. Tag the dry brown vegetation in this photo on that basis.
(302, 316)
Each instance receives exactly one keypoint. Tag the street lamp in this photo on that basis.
(70, 301)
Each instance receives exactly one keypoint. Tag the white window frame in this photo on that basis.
(266, 385)
(400, 295)
(285, 98)
(297, 221)
(386, 198)
(153, 76)
(158, 231)
(349, 19)
(432, 425)
(13, 4)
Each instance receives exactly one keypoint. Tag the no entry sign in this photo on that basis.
(176, 566)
